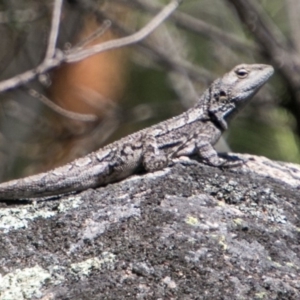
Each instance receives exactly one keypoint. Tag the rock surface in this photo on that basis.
(189, 231)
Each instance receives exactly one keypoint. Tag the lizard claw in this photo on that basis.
(232, 162)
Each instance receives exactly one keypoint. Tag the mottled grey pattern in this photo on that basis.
(193, 132)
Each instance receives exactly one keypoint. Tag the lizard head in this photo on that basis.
(231, 92)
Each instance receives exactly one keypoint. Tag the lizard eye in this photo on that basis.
(241, 73)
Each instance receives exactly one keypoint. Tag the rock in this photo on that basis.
(189, 231)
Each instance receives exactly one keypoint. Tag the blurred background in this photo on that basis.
(74, 108)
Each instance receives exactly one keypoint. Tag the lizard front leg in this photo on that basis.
(210, 156)
(202, 145)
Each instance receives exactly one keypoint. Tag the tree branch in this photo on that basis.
(192, 24)
(285, 58)
(60, 57)
(54, 29)
(134, 38)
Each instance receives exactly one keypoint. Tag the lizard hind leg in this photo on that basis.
(153, 158)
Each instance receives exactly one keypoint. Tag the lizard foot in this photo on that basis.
(231, 161)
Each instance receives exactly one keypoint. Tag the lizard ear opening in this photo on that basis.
(222, 96)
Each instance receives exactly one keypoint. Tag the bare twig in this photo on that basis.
(197, 26)
(285, 58)
(66, 113)
(163, 58)
(54, 29)
(100, 31)
(59, 56)
(293, 9)
(134, 38)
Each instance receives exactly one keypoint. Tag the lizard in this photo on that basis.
(194, 132)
